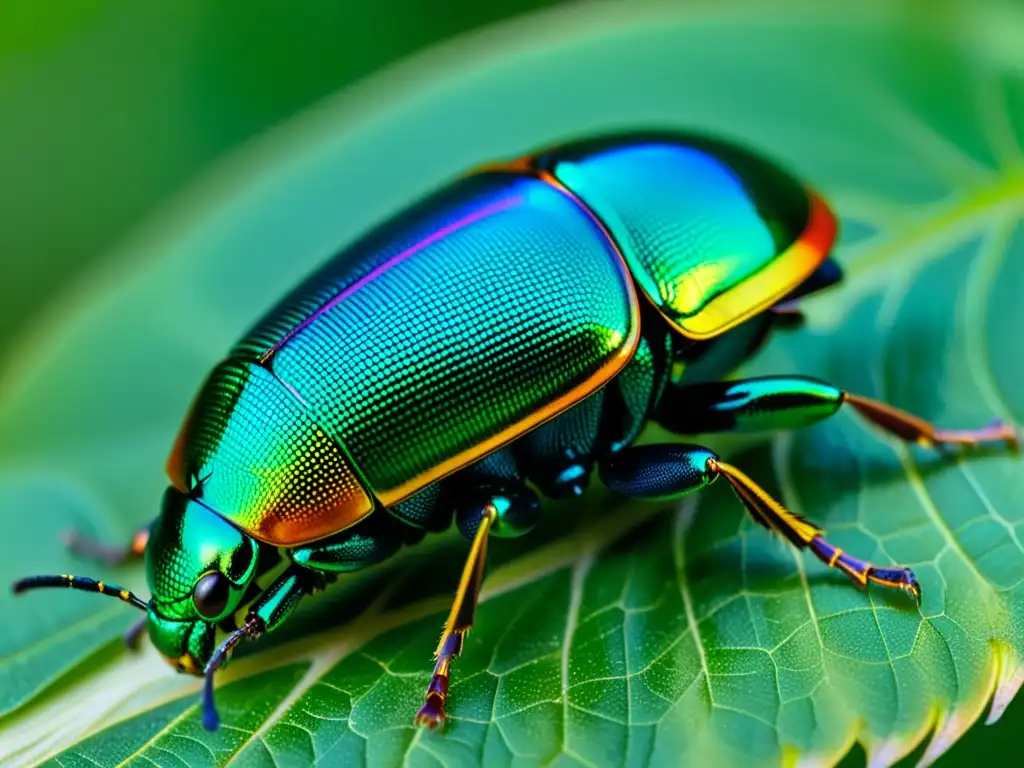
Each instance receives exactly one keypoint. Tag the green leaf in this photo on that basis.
(620, 633)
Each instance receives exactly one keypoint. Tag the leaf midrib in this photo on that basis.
(924, 237)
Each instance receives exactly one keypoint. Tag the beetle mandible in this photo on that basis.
(511, 332)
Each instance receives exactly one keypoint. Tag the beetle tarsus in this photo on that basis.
(913, 429)
(459, 622)
(996, 431)
(211, 720)
(252, 628)
(769, 512)
(861, 571)
(899, 578)
(432, 713)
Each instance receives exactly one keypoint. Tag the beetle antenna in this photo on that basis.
(83, 583)
(253, 627)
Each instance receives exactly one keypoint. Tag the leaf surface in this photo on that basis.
(620, 633)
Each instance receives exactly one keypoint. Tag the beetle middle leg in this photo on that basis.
(670, 471)
(484, 506)
(106, 553)
(785, 402)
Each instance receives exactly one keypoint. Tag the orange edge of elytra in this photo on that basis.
(615, 363)
(767, 286)
(611, 367)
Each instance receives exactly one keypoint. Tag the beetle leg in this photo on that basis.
(786, 402)
(266, 614)
(492, 501)
(788, 316)
(803, 534)
(460, 621)
(657, 471)
(908, 427)
(671, 471)
(557, 456)
(106, 553)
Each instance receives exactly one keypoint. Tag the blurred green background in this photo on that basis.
(108, 108)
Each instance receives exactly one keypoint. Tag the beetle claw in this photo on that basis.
(431, 714)
(996, 431)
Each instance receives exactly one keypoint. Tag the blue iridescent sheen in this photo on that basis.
(505, 336)
(698, 221)
(503, 290)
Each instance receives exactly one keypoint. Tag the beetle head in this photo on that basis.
(198, 567)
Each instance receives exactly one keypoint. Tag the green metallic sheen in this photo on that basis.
(659, 472)
(423, 510)
(278, 602)
(558, 455)
(767, 405)
(636, 389)
(571, 436)
(177, 638)
(251, 452)
(368, 542)
(693, 217)
(503, 464)
(486, 307)
(752, 405)
(483, 345)
(187, 541)
(517, 515)
(516, 506)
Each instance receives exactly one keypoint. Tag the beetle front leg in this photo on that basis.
(786, 402)
(501, 507)
(266, 614)
(671, 471)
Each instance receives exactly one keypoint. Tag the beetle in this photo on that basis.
(503, 337)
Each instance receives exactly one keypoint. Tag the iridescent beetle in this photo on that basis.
(521, 325)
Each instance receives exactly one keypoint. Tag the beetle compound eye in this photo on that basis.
(211, 595)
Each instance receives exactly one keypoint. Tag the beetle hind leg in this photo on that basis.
(460, 621)
(787, 402)
(671, 471)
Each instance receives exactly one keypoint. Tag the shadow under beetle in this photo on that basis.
(519, 326)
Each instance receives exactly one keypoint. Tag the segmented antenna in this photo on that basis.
(83, 583)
